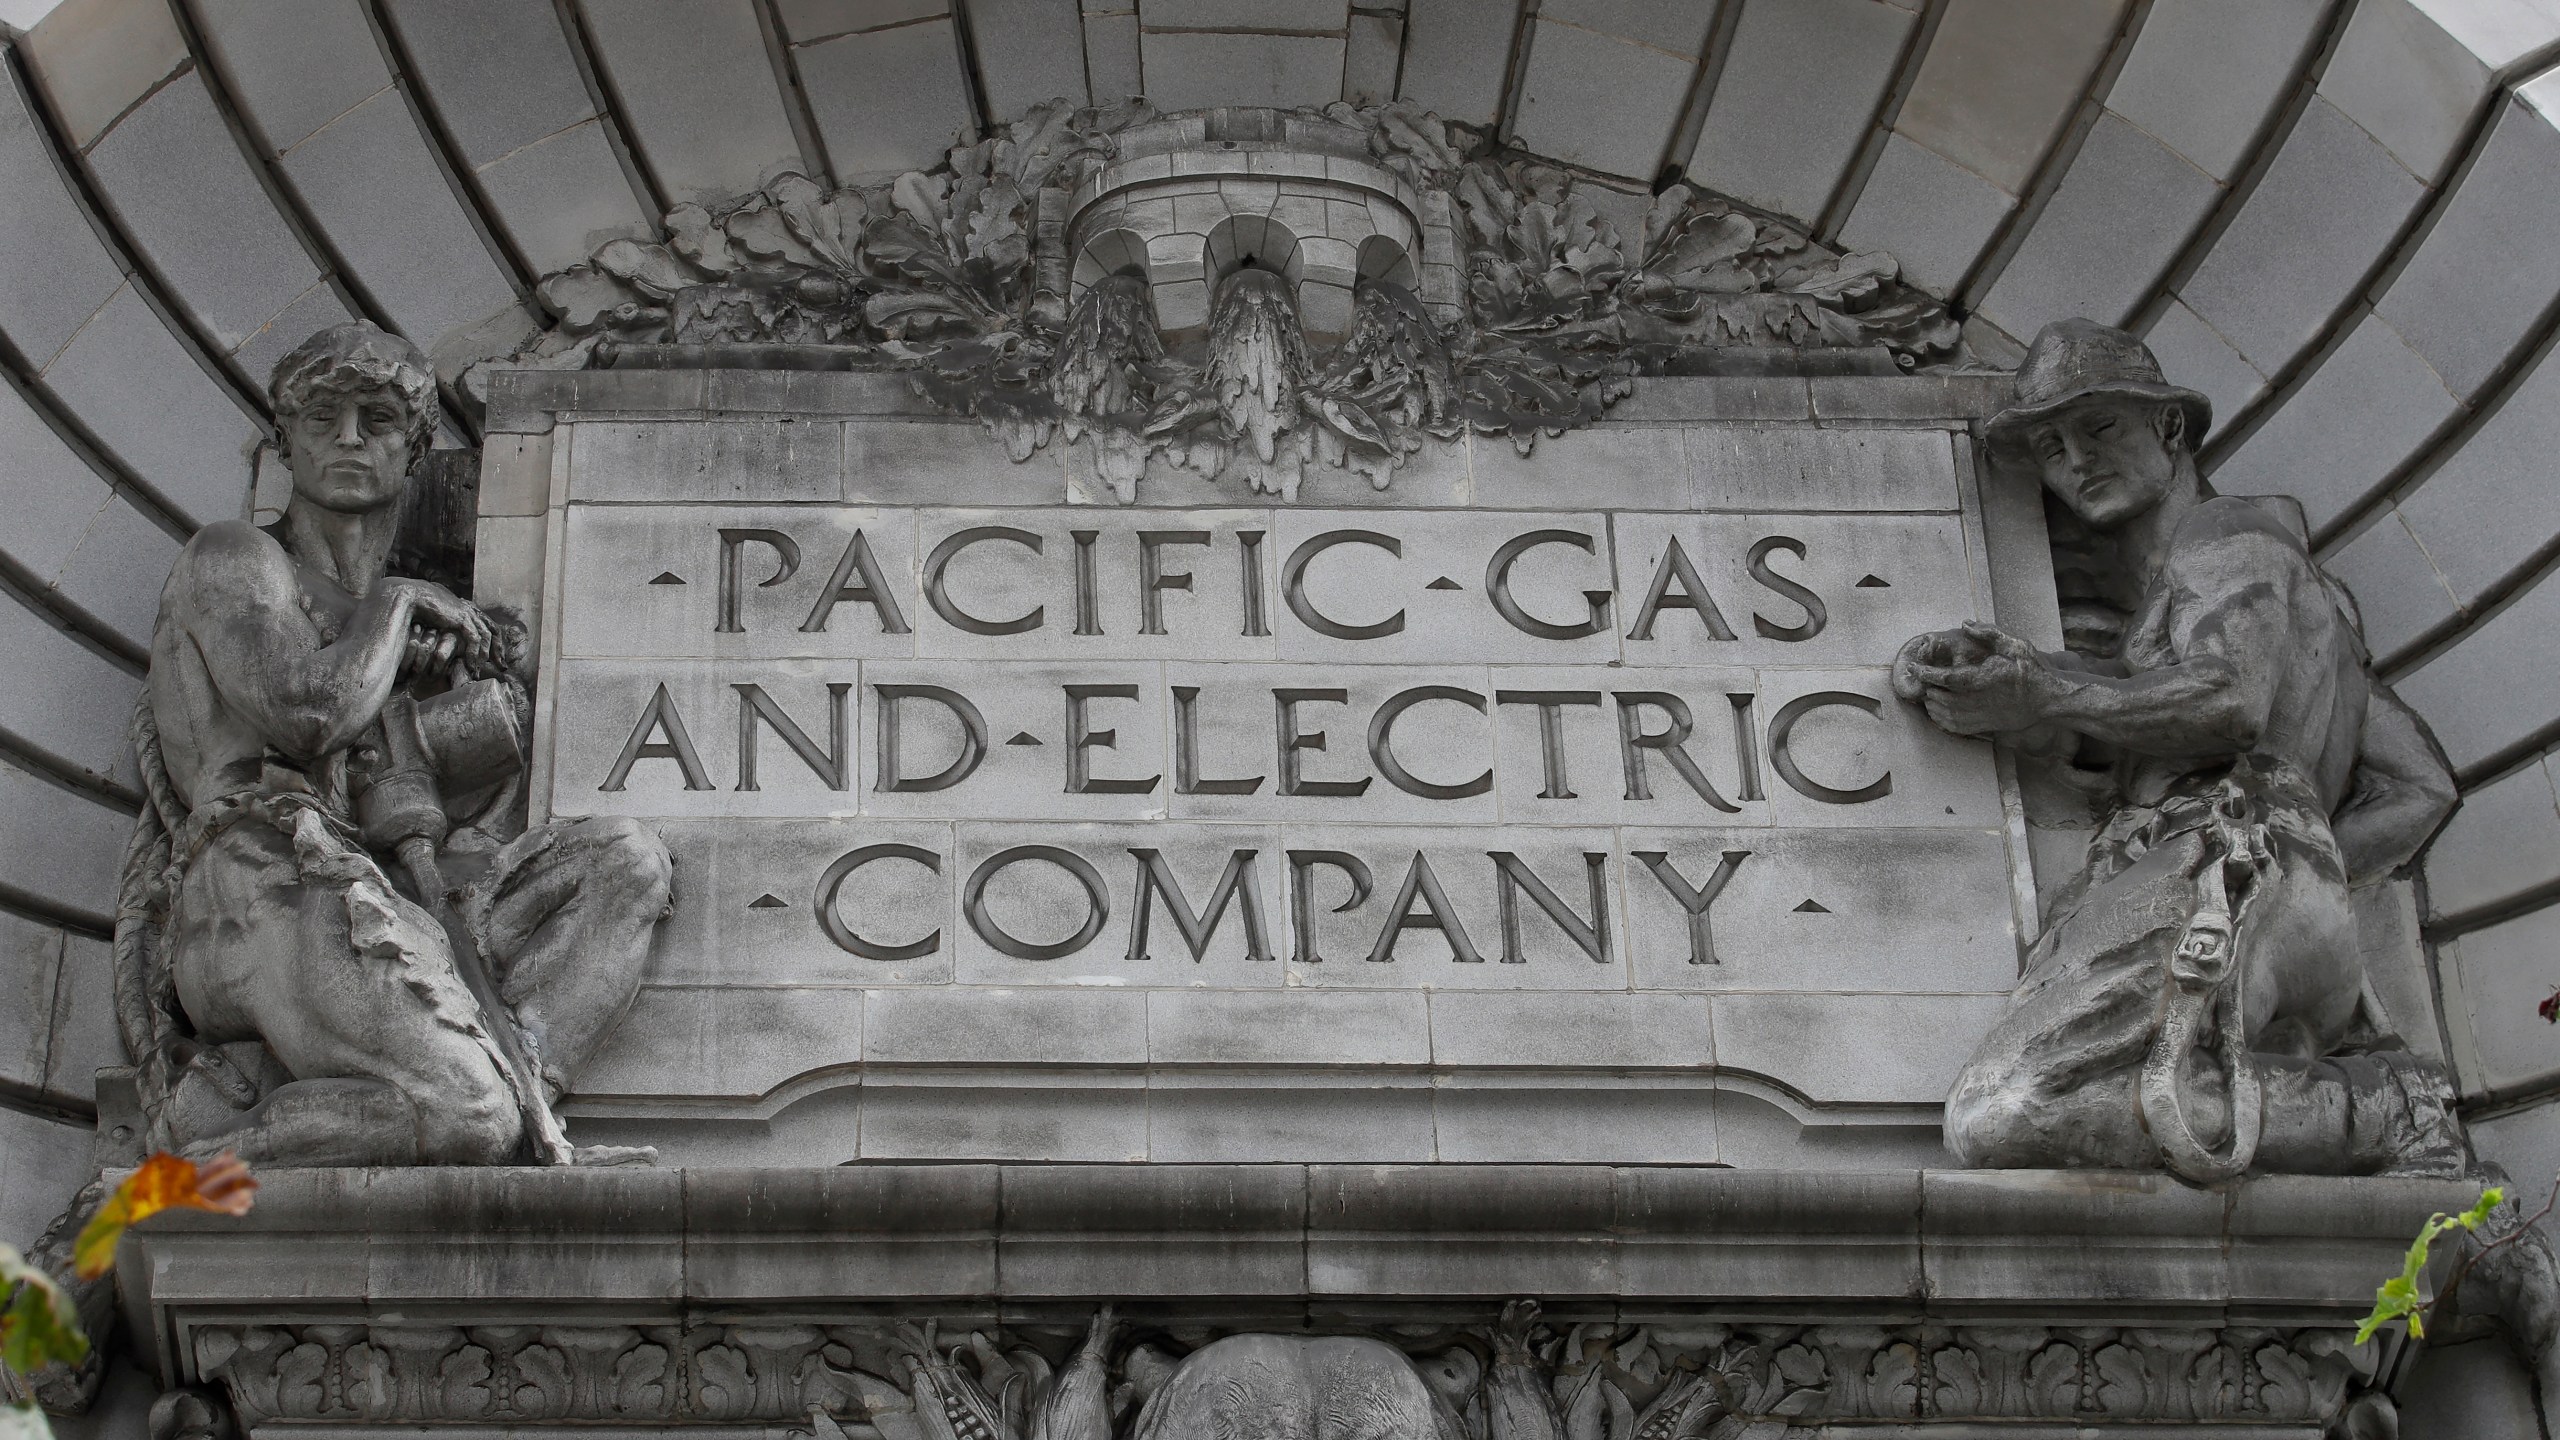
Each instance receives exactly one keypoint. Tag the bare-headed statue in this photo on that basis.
(313, 728)
(2198, 997)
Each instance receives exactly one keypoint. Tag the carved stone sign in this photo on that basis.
(1599, 773)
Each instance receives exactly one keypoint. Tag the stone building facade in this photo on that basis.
(2327, 218)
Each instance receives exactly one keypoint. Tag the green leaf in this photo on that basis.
(38, 1325)
(2398, 1297)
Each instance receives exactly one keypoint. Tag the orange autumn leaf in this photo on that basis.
(164, 1182)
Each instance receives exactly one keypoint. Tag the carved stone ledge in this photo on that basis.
(464, 1300)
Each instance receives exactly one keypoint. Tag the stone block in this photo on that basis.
(1092, 1120)
(1029, 51)
(369, 181)
(507, 564)
(2491, 261)
(2324, 212)
(2489, 508)
(2000, 78)
(60, 846)
(50, 493)
(1448, 69)
(1043, 1026)
(1156, 1230)
(96, 60)
(1921, 559)
(1600, 101)
(2456, 1392)
(1245, 14)
(138, 390)
(1680, 1230)
(85, 1037)
(2369, 408)
(1381, 1230)
(1927, 212)
(2400, 594)
(1111, 57)
(116, 571)
(1712, 397)
(2121, 216)
(294, 66)
(943, 462)
(1504, 1124)
(515, 475)
(1909, 911)
(65, 699)
(2409, 83)
(1870, 1049)
(2203, 77)
(2505, 973)
(187, 199)
(1797, 468)
(806, 22)
(2498, 684)
(2526, 1144)
(2297, 1236)
(2200, 359)
(457, 1233)
(759, 460)
(563, 196)
(1569, 1030)
(841, 1230)
(30, 968)
(1189, 70)
(698, 92)
(499, 75)
(1374, 45)
(2400, 975)
(59, 274)
(2503, 841)
(43, 1163)
(1288, 1027)
(886, 101)
(1943, 398)
(1796, 97)
(1607, 466)
(1670, 25)
(1992, 1234)
(1035, 900)
(315, 310)
(739, 1042)
(1235, 1121)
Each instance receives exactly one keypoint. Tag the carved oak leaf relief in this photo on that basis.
(1528, 300)
(1518, 1379)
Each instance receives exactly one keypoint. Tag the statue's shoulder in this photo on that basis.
(2242, 538)
(232, 549)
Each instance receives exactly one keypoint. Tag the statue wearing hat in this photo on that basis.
(313, 728)
(2197, 998)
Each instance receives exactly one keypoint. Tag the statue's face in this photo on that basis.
(2107, 459)
(349, 450)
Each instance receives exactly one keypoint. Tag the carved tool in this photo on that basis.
(403, 809)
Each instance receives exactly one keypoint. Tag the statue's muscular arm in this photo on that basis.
(2231, 627)
(238, 601)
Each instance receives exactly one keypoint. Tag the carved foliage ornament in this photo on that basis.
(1517, 1379)
(1023, 282)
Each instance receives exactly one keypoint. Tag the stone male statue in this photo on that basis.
(282, 995)
(2197, 997)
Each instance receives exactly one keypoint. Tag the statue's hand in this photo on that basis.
(444, 625)
(1974, 681)
(1934, 652)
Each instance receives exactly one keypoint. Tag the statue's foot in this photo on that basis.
(2425, 1136)
(614, 1155)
